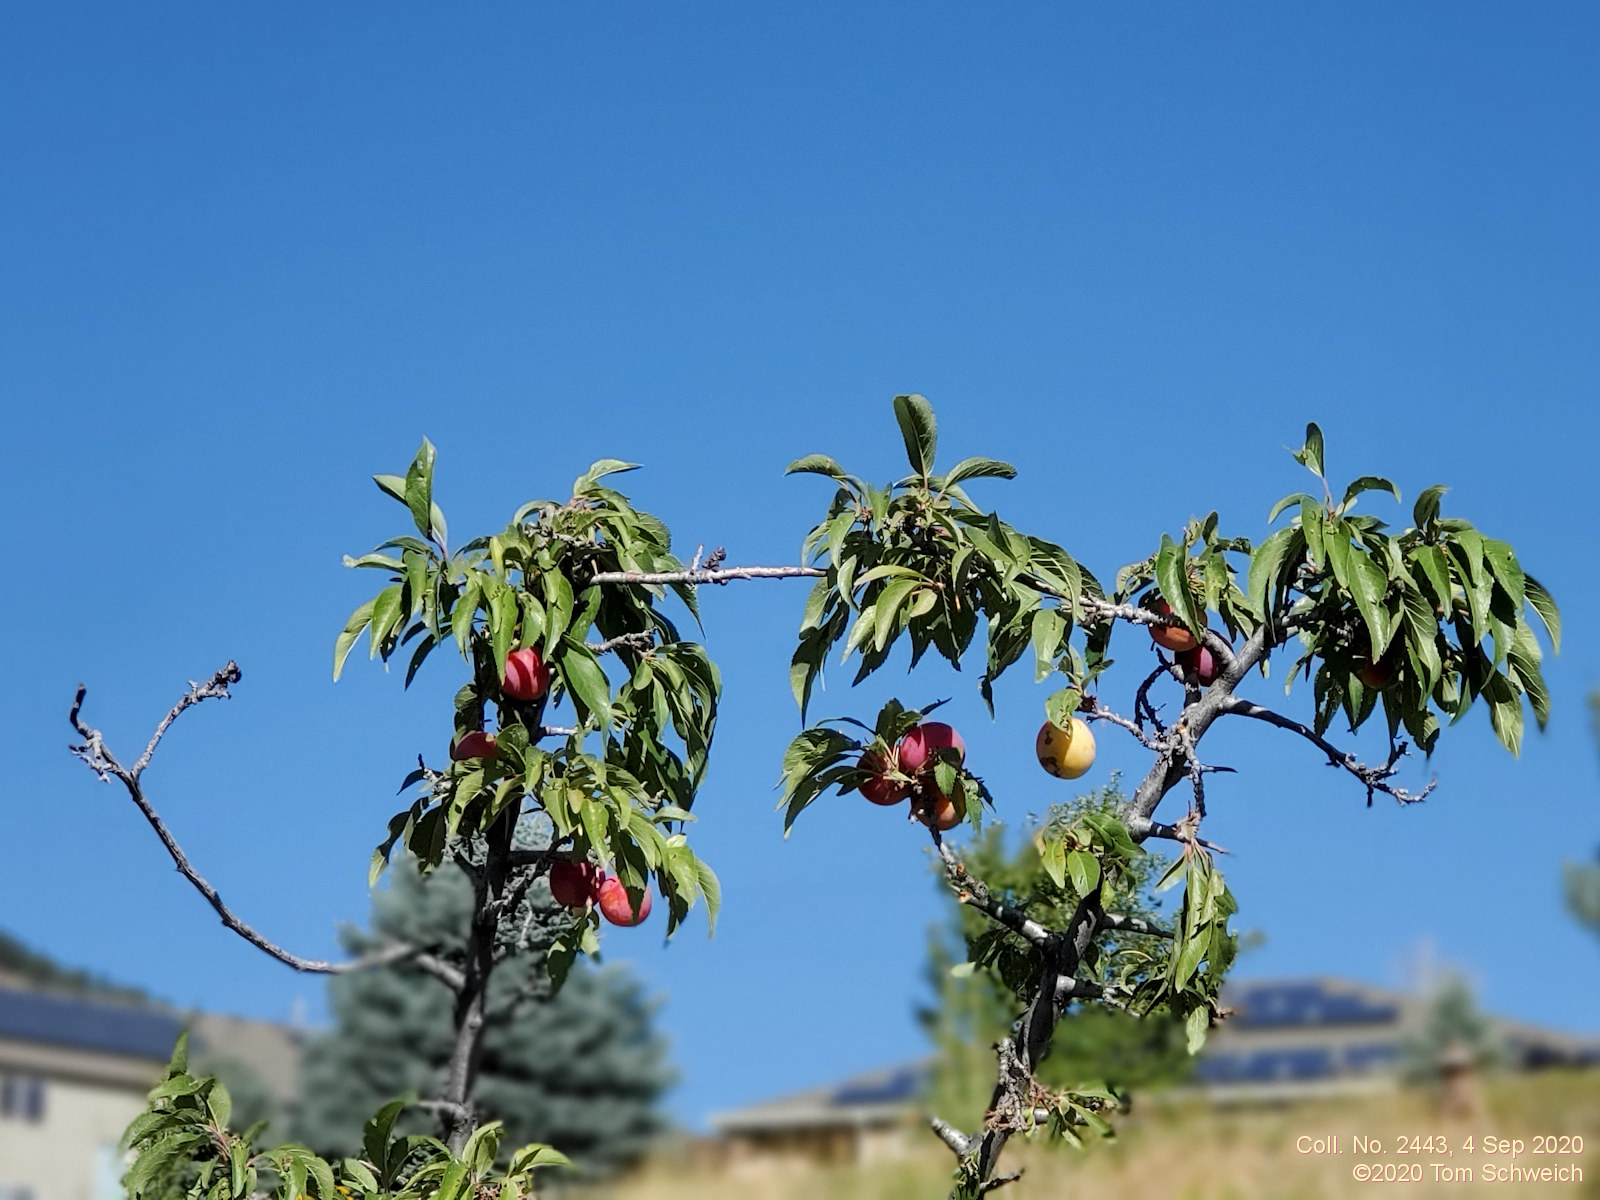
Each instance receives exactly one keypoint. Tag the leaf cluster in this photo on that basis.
(1424, 621)
(1185, 977)
(182, 1148)
(917, 557)
(621, 787)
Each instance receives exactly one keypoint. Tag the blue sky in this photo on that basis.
(252, 254)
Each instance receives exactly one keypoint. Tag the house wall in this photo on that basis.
(68, 1149)
(72, 1153)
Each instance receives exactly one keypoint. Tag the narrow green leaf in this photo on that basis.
(392, 485)
(1084, 869)
(1544, 604)
(419, 489)
(816, 464)
(358, 621)
(1426, 509)
(920, 431)
(586, 680)
(1310, 455)
(1286, 503)
(1368, 483)
(385, 615)
(979, 468)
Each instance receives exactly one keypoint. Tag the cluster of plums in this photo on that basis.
(578, 884)
(572, 884)
(908, 768)
(1193, 659)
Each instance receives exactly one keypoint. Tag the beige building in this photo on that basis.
(1288, 1040)
(74, 1071)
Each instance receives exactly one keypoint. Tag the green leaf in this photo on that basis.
(219, 1103)
(1084, 869)
(1196, 1025)
(1267, 563)
(385, 615)
(586, 680)
(919, 430)
(979, 468)
(1310, 455)
(419, 489)
(887, 608)
(597, 471)
(1172, 579)
(352, 630)
(1049, 629)
(1544, 604)
(392, 485)
(817, 464)
(1368, 483)
(1505, 712)
(1426, 509)
(1435, 567)
(1061, 705)
(1288, 502)
(711, 889)
(1367, 583)
(537, 1155)
(1053, 858)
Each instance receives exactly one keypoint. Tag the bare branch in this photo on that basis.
(642, 641)
(999, 1181)
(972, 891)
(1132, 925)
(215, 687)
(99, 758)
(556, 731)
(1143, 710)
(704, 575)
(960, 1144)
(1375, 779)
(1093, 710)
(428, 964)
(1099, 608)
(1141, 828)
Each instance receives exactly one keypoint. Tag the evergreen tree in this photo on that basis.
(581, 1070)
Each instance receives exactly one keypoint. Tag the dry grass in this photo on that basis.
(1187, 1152)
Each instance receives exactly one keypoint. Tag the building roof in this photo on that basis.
(56, 1020)
(1285, 1038)
(870, 1099)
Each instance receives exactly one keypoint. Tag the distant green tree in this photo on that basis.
(581, 1070)
(37, 969)
(1583, 879)
(973, 1007)
(1452, 1028)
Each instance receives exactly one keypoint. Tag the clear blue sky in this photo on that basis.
(251, 253)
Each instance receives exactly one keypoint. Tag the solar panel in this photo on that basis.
(64, 1021)
(902, 1084)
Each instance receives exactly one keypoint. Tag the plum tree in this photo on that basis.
(1449, 610)
(565, 607)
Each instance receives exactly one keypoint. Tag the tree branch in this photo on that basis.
(960, 1144)
(1092, 710)
(698, 577)
(972, 891)
(1375, 779)
(1132, 925)
(642, 641)
(99, 759)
